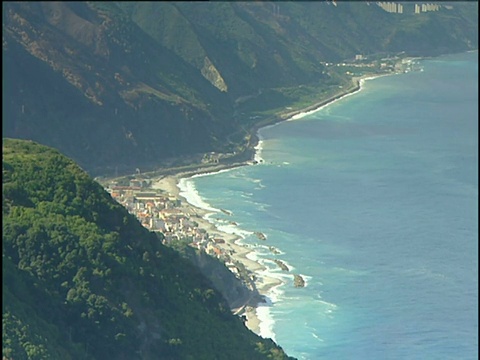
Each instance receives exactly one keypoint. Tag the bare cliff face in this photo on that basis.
(119, 86)
(236, 292)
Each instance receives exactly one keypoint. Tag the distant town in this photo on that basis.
(365, 64)
(404, 6)
(398, 8)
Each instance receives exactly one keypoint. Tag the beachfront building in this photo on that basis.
(391, 7)
(419, 8)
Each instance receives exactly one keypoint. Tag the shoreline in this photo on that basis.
(175, 184)
(356, 86)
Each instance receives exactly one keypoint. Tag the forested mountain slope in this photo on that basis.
(126, 85)
(82, 279)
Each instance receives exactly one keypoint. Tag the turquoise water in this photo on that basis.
(374, 200)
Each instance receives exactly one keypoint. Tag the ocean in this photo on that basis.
(373, 200)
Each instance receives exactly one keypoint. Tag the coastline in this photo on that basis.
(172, 184)
(356, 86)
(175, 184)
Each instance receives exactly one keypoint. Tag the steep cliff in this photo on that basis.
(83, 279)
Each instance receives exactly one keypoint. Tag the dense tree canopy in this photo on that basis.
(83, 279)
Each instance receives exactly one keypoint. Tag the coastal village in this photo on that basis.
(161, 212)
(164, 213)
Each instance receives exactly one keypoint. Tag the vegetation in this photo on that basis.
(82, 279)
(123, 85)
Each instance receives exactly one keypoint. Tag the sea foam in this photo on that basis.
(190, 193)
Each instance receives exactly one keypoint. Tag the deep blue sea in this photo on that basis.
(374, 201)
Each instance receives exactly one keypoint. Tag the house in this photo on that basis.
(146, 196)
(167, 213)
(158, 224)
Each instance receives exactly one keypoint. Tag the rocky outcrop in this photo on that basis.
(298, 281)
(281, 265)
(260, 235)
(210, 72)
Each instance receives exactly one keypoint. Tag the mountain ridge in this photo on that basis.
(119, 86)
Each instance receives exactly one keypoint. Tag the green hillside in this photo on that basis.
(82, 279)
(123, 85)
